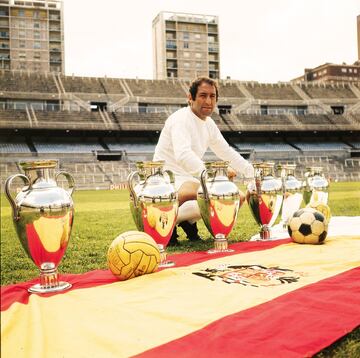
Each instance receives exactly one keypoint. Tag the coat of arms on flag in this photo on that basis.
(251, 275)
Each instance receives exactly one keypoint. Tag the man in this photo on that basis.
(186, 136)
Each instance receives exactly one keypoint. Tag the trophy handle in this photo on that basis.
(130, 181)
(8, 194)
(203, 177)
(171, 176)
(70, 180)
(283, 176)
(258, 175)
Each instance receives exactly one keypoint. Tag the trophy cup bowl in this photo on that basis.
(292, 193)
(316, 186)
(219, 201)
(43, 216)
(154, 203)
(264, 197)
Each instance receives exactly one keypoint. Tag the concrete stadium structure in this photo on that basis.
(99, 127)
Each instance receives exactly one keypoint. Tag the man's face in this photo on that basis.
(205, 101)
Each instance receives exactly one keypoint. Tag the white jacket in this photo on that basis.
(184, 140)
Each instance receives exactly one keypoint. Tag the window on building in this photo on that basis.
(22, 65)
(198, 55)
(37, 45)
(186, 36)
(224, 109)
(186, 64)
(98, 106)
(344, 70)
(22, 44)
(21, 12)
(36, 14)
(171, 44)
(36, 25)
(37, 35)
(198, 65)
(22, 34)
(337, 109)
(197, 36)
(22, 55)
(186, 54)
(264, 110)
(37, 56)
(171, 64)
(22, 23)
(170, 36)
(186, 45)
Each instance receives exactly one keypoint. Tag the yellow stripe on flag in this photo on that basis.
(129, 317)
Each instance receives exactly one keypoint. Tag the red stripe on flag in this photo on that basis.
(191, 258)
(18, 292)
(297, 324)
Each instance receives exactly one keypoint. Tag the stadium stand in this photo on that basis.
(156, 88)
(75, 84)
(27, 82)
(333, 91)
(255, 122)
(112, 85)
(272, 91)
(14, 145)
(230, 89)
(99, 127)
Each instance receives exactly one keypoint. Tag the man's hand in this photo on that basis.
(231, 173)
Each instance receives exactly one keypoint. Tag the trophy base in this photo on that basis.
(277, 233)
(216, 251)
(166, 264)
(38, 288)
(220, 245)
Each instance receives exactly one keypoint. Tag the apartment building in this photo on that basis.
(32, 35)
(185, 46)
(330, 72)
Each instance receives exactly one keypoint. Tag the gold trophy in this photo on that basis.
(292, 193)
(316, 186)
(154, 203)
(43, 215)
(265, 197)
(219, 201)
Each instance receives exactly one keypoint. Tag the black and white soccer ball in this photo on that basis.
(308, 226)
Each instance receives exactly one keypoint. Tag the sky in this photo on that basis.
(268, 41)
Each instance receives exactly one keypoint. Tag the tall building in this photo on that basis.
(32, 35)
(185, 46)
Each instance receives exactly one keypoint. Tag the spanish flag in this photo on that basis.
(265, 299)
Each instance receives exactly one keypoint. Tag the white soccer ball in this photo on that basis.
(308, 226)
